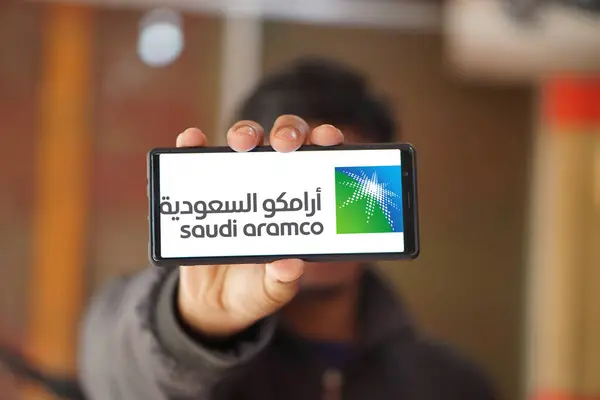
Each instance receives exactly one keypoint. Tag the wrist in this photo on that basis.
(209, 324)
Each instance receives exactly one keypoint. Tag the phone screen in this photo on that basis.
(208, 206)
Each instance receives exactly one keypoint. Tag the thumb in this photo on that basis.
(282, 280)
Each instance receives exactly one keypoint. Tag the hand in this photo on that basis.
(222, 300)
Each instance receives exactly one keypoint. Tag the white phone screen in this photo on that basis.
(270, 203)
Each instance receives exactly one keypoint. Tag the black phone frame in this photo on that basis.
(409, 209)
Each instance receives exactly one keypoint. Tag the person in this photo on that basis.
(286, 330)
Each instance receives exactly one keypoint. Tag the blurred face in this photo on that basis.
(329, 277)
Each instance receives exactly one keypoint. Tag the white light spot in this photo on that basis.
(161, 39)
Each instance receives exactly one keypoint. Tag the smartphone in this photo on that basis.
(216, 206)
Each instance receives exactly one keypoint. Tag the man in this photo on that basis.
(286, 330)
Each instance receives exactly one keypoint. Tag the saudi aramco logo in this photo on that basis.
(368, 199)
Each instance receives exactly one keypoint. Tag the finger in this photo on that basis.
(245, 135)
(326, 135)
(191, 137)
(281, 280)
(289, 133)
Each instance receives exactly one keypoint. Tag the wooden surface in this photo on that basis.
(62, 154)
(563, 326)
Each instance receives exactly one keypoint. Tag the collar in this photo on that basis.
(381, 314)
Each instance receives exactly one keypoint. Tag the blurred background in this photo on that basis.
(500, 98)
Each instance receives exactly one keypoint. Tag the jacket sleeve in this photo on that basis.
(134, 346)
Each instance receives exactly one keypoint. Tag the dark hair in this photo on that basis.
(323, 91)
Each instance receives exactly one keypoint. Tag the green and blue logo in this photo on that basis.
(368, 199)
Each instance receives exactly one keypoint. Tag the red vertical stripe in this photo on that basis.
(572, 104)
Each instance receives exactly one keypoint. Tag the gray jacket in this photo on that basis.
(134, 346)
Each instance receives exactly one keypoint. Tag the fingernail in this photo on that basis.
(246, 130)
(330, 127)
(287, 133)
(178, 140)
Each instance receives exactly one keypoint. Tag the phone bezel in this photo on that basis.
(409, 205)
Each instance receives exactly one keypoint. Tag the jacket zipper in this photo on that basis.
(332, 382)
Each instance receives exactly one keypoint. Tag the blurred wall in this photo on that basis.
(473, 145)
(20, 55)
(138, 108)
(135, 108)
